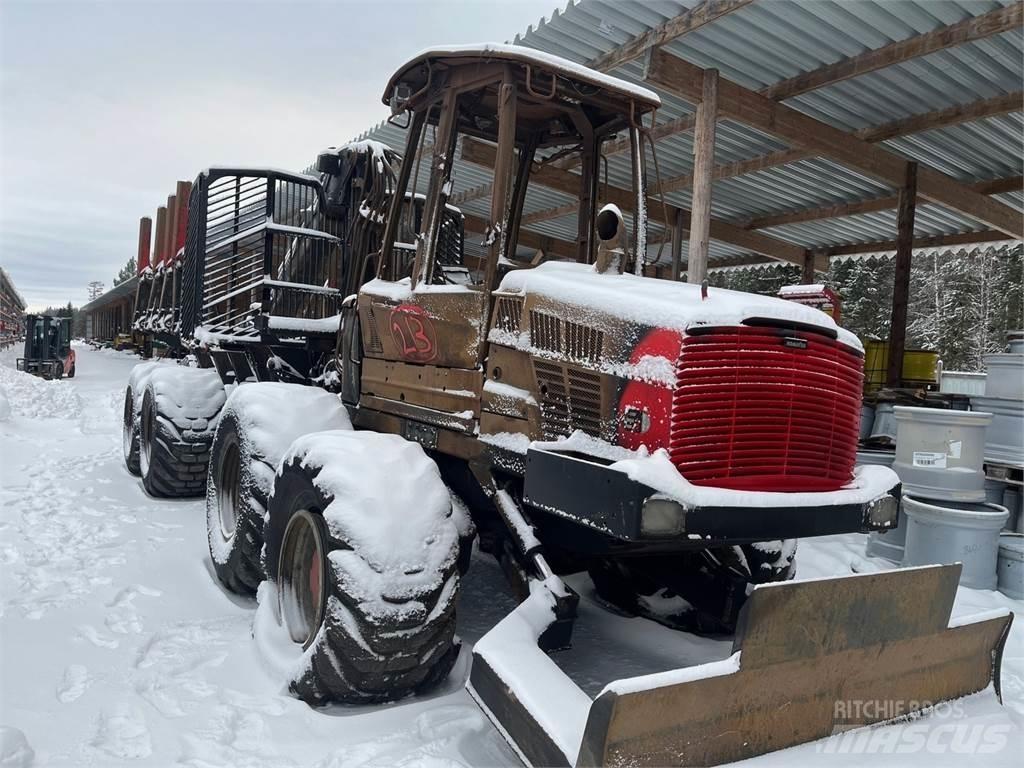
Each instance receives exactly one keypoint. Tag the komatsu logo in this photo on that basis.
(794, 342)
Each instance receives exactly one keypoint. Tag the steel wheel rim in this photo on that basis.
(127, 425)
(228, 490)
(146, 435)
(301, 571)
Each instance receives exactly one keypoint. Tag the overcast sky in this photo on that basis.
(104, 105)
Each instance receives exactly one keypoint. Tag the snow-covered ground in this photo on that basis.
(117, 647)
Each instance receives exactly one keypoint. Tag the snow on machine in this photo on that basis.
(568, 413)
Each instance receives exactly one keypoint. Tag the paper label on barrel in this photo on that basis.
(931, 459)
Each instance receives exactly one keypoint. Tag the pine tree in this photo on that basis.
(961, 304)
(127, 272)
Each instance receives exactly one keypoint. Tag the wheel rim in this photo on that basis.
(301, 568)
(228, 480)
(146, 436)
(128, 428)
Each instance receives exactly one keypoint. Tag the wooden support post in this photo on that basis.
(807, 276)
(703, 164)
(678, 230)
(901, 282)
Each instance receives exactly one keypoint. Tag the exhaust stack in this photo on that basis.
(145, 235)
(613, 246)
(158, 241)
(184, 188)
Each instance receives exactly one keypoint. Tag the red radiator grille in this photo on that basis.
(768, 409)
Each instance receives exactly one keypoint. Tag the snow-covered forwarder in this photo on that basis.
(48, 351)
(247, 287)
(570, 416)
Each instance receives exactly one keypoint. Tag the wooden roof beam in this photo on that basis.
(992, 187)
(666, 32)
(975, 28)
(926, 121)
(930, 241)
(800, 130)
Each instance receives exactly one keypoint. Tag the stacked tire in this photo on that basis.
(258, 423)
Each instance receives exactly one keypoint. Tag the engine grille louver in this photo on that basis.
(766, 409)
(570, 399)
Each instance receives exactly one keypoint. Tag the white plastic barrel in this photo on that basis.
(939, 453)
(1005, 375)
(867, 421)
(951, 532)
(1004, 439)
(883, 428)
(1011, 565)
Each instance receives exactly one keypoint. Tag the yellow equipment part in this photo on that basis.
(919, 366)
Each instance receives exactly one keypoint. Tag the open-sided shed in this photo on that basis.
(111, 314)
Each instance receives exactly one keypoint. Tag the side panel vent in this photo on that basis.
(545, 331)
(554, 399)
(374, 344)
(508, 314)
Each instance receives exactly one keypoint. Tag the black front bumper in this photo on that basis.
(582, 489)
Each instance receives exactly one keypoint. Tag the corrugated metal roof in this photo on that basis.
(119, 291)
(766, 42)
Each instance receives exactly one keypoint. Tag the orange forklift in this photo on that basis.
(48, 351)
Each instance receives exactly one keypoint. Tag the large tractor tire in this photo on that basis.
(257, 425)
(132, 411)
(180, 406)
(700, 591)
(362, 549)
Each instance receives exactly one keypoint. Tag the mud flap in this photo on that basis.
(811, 658)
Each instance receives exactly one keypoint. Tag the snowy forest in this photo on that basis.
(962, 302)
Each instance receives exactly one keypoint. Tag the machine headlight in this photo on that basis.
(883, 512)
(662, 517)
